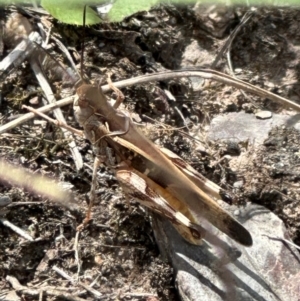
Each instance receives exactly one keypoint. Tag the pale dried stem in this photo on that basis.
(16, 229)
(166, 75)
(208, 74)
(47, 290)
(86, 287)
(76, 250)
(65, 50)
(57, 112)
(181, 116)
(140, 295)
(23, 50)
(284, 240)
(56, 122)
(26, 117)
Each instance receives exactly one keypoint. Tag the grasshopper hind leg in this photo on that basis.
(139, 187)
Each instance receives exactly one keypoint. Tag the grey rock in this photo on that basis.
(242, 126)
(221, 269)
(4, 202)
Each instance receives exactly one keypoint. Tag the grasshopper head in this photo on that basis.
(91, 96)
(91, 100)
(87, 102)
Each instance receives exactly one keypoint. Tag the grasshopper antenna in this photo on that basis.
(82, 44)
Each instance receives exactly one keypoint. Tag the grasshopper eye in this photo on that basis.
(80, 102)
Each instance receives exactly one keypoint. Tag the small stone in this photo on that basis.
(237, 212)
(34, 100)
(247, 107)
(263, 115)
(238, 184)
(4, 200)
(201, 148)
(42, 123)
(136, 117)
(135, 22)
(66, 185)
(153, 24)
(98, 260)
(227, 157)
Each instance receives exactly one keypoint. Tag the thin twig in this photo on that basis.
(181, 116)
(207, 74)
(228, 47)
(24, 203)
(86, 287)
(26, 117)
(56, 122)
(57, 112)
(231, 37)
(65, 50)
(76, 250)
(16, 229)
(167, 75)
(27, 49)
(41, 296)
(20, 53)
(139, 295)
(284, 240)
(170, 128)
(48, 291)
(289, 242)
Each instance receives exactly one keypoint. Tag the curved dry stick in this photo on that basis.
(26, 117)
(166, 75)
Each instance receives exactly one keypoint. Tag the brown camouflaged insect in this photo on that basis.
(155, 177)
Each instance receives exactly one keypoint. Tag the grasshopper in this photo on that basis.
(155, 177)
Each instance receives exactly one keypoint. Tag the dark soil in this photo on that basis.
(117, 250)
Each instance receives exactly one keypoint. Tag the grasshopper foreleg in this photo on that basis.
(92, 198)
(56, 122)
(120, 95)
